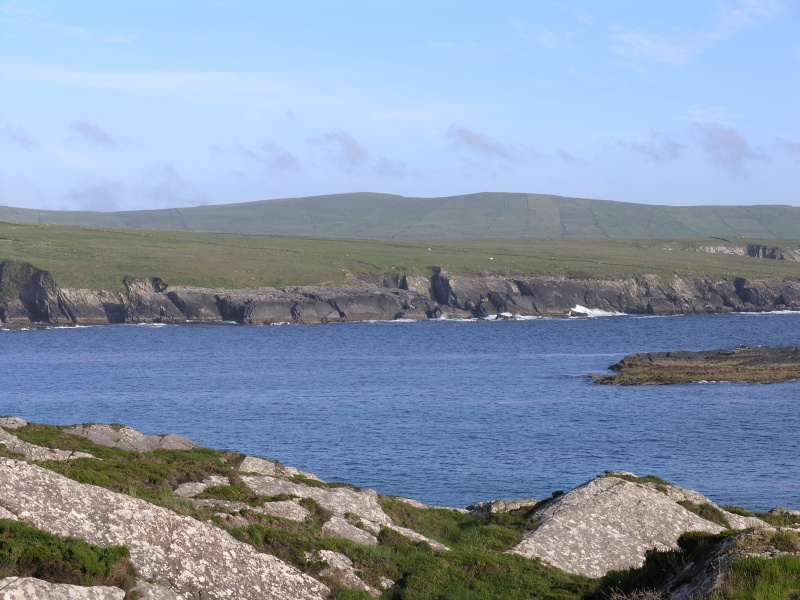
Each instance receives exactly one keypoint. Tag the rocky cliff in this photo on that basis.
(194, 523)
(29, 295)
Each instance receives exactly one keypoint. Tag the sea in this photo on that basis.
(449, 412)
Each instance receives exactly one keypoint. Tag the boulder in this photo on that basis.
(12, 422)
(607, 524)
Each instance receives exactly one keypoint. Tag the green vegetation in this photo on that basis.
(776, 520)
(98, 258)
(756, 578)
(485, 215)
(693, 547)
(29, 552)
(707, 511)
(477, 567)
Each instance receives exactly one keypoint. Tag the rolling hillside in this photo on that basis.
(485, 215)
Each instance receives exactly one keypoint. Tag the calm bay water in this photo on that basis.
(445, 412)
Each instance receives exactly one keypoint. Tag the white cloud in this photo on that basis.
(649, 46)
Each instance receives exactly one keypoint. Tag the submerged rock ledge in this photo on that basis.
(754, 364)
(30, 295)
(222, 525)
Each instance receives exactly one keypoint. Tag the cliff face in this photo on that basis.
(30, 295)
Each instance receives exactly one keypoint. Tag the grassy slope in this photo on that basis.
(485, 215)
(99, 258)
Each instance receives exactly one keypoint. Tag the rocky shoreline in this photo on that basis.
(754, 364)
(225, 525)
(30, 296)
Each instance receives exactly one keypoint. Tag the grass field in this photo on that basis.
(99, 258)
(484, 215)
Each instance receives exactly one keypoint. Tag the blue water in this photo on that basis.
(445, 412)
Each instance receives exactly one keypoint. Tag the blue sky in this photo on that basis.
(150, 104)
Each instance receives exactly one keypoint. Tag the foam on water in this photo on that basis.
(593, 313)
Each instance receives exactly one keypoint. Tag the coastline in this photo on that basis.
(30, 297)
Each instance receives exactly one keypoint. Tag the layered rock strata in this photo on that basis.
(29, 295)
(749, 363)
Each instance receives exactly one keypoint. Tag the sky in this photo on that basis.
(149, 104)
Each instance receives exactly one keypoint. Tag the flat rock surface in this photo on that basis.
(194, 559)
(748, 363)
(607, 524)
(342, 570)
(127, 438)
(30, 588)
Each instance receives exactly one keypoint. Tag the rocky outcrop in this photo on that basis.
(33, 452)
(29, 295)
(126, 438)
(610, 523)
(749, 363)
(195, 559)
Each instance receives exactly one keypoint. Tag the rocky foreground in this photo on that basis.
(30, 295)
(755, 364)
(197, 523)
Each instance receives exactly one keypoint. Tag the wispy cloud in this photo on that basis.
(658, 147)
(343, 148)
(11, 135)
(274, 159)
(18, 16)
(648, 46)
(724, 147)
(539, 35)
(93, 133)
(475, 142)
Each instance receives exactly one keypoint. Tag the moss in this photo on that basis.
(29, 552)
(776, 520)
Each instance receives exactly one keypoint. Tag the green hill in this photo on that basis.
(485, 215)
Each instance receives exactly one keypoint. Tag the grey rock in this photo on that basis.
(192, 488)
(194, 559)
(286, 509)
(152, 591)
(34, 452)
(679, 494)
(232, 521)
(499, 506)
(338, 527)
(782, 510)
(338, 500)
(263, 466)
(87, 307)
(30, 588)
(607, 524)
(418, 537)
(126, 438)
(12, 422)
(342, 570)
